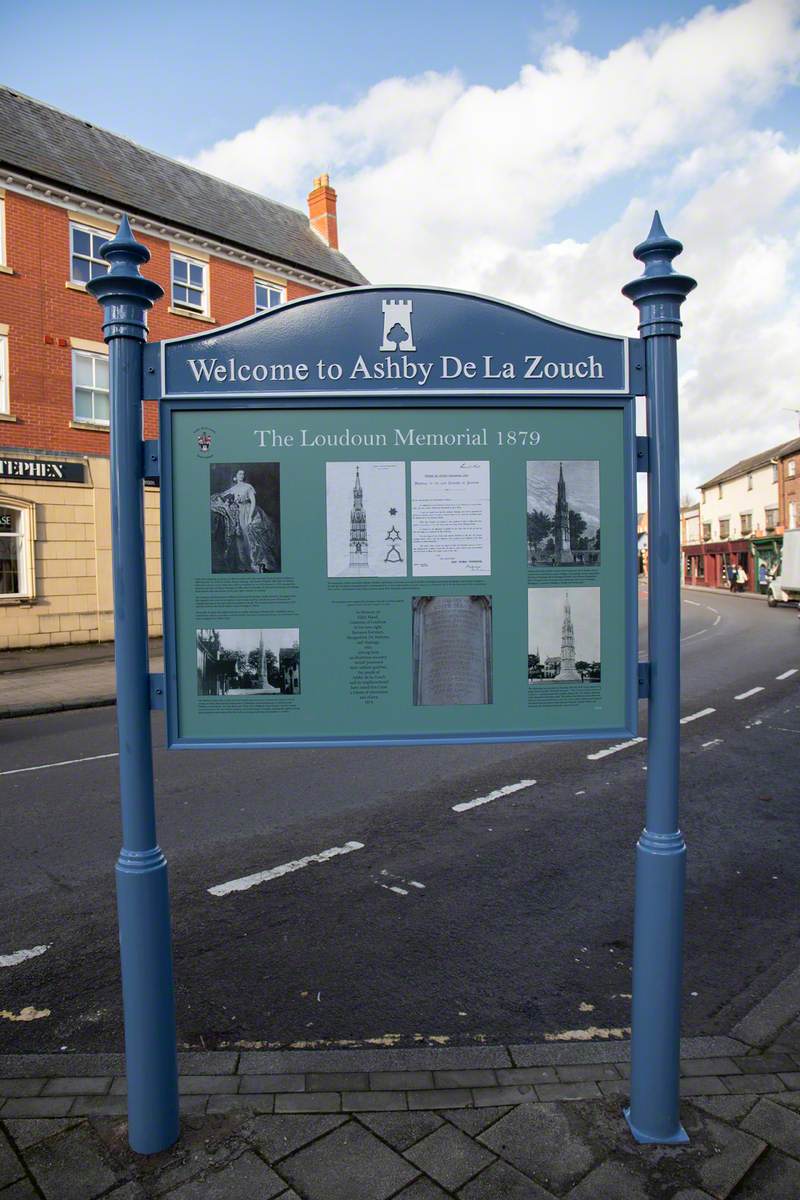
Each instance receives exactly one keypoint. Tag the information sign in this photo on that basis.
(380, 527)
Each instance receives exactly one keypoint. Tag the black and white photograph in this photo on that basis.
(366, 519)
(564, 513)
(245, 518)
(563, 635)
(452, 649)
(248, 662)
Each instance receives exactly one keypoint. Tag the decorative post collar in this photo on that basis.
(124, 293)
(659, 292)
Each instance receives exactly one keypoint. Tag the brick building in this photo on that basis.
(219, 252)
(743, 512)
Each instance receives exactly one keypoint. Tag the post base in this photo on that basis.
(679, 1138)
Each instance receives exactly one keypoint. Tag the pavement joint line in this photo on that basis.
(746, 695)
(248, 881)
(497, 794)
(786, 674)
(67, 762)
(704, 712)
(614, 749)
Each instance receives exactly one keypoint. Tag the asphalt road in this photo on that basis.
(506, 921)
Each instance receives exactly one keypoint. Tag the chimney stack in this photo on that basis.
(322, 211)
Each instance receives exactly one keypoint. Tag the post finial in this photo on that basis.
(659, 292)
(124, 285)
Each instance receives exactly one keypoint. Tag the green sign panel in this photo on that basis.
(354, 575)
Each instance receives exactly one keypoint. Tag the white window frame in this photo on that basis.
(273, 287)
(791, 468)
(26, 536)
(93, 231)
(203, 308)
(744, 518)
(792, 514)
(93, 355)
(5, 397)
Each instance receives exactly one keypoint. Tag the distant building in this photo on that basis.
(219, 252)
(741, 520)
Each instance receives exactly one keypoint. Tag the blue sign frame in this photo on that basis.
(346, 320)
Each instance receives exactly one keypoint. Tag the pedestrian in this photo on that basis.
(741, 577)
(730, 577)
(763, 578)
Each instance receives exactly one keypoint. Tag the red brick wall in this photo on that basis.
(43, 314)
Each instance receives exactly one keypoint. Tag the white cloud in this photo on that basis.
(445, 183)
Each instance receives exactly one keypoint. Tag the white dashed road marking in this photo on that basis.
(614, 749)
(745, 695)
(496, 795)
(786, 674)
(704, 712)
(67, 762)
(11, 960)
(712, 743)
(248, 881)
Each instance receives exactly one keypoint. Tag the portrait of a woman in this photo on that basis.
(245, 518)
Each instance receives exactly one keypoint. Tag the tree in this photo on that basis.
(272, 670)
(540, 526)
(577, 528)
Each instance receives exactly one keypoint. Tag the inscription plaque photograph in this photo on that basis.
(563, 635)
(452, 649)
(563, 527)
(245, 518)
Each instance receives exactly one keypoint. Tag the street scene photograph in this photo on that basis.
(564, 635)
(248, 662)
(397, 917)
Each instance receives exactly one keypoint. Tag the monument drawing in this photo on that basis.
(563, 554)
(359, 551)
(397, 334)
(564, 635)
(563, 526)
(452, 649)
(365, 501)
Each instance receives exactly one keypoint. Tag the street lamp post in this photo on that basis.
(654, 1114)
(142, 892)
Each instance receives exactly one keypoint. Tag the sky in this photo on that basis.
(515, 149)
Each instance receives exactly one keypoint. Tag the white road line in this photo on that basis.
(713, 742)
(752, 692)
(248, 881)
(400, 891)
(699, 633)
(694, 603)
(614, 749)
(11, 960)
(786, 674)
(496, 795)
(704, 712)
(67, 762)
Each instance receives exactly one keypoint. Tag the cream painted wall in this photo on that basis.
(72, 556)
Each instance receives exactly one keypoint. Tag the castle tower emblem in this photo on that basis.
(397, 334)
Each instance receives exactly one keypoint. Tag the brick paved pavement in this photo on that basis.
(531, 1122)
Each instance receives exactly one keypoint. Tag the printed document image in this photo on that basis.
(450, 518)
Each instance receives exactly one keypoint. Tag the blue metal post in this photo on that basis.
(654, 1113)
(142, 892)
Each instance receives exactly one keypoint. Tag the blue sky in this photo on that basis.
(512, 149)
(179, 74)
